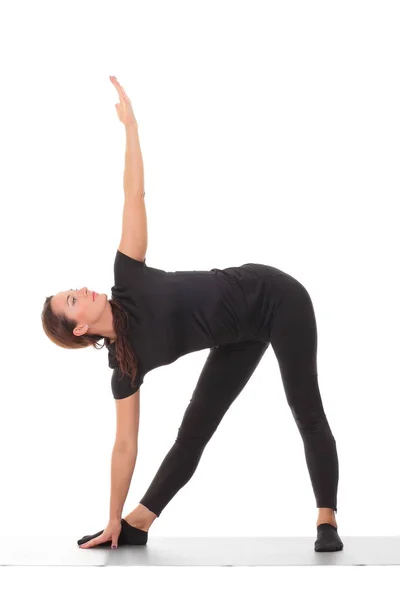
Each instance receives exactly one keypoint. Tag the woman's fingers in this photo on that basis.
(116, 85)
(93, 542)
(119, 88)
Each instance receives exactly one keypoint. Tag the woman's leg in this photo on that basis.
(294, 340)
(226, 371)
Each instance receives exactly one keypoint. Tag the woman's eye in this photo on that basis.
(73, 301)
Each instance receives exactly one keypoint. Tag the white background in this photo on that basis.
(269, 133)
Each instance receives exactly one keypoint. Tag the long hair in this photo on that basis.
(60, 330)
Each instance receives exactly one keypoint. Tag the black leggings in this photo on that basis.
(293, 335)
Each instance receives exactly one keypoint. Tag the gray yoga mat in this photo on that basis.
(201, 551)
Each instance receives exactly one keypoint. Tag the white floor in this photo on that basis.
(185, 551)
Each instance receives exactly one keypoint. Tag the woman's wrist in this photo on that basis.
(131, 127)
(114, 518)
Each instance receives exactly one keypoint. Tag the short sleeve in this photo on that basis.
(122, 387)
(126, 267)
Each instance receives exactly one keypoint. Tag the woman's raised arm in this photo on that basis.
(134, 220)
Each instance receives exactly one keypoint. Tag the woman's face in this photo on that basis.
(80, 306)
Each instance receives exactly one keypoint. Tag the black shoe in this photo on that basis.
(129, 536)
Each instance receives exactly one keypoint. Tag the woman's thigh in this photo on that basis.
(225, 373)
(294, 341)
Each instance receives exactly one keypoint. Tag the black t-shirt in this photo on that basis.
(172, 313)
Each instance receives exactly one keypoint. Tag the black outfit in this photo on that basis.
(236, 312)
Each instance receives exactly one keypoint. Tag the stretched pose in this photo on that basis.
(156, 316)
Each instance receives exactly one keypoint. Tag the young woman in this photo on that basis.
(156, 316)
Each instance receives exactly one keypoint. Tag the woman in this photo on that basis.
(156, 316)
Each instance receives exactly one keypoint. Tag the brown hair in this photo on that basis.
(60, 330)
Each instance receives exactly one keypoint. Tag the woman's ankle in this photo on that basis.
(326, 515)
(141, 518)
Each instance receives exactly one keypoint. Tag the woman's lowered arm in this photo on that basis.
(123, 463)
(125, 451)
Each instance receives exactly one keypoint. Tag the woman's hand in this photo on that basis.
(111, 532)
(124, 108)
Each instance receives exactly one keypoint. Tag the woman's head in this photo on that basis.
(73, 319)
(86, 309)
